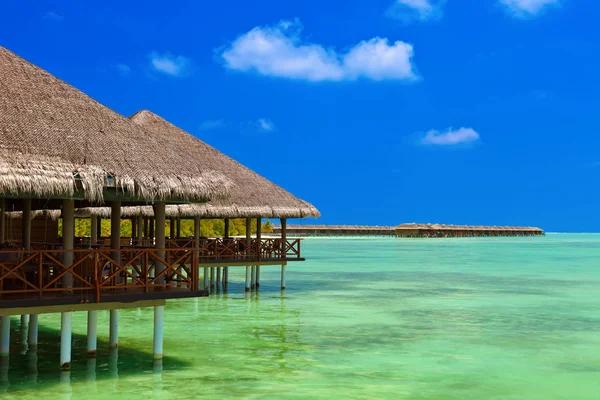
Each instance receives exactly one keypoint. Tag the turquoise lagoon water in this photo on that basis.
(509, 318)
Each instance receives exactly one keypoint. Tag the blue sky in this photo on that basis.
(377, 112)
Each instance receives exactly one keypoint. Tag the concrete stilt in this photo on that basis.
(282, 277)
(258, 276)
(90, 370)
(92, 333)
(4, 366)
(212, 277)
(66, 321)
(32, 338)
(248, 277)
(219, 273)
(5, 336)
(159, 319)
(23, 333)
(225, 275)
(205, 277)
(114, 328)
(253, 278)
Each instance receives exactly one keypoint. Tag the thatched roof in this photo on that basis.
(251, 196)
(446, 227)
(56, 141)
(54, 215)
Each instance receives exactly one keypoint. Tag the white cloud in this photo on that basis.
(525, 8)
(265, 125)
(451, 137)
(279, 51)
(420, 10)
(212, 124)
(169, 64)
(52, 16)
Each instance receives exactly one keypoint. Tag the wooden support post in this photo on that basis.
(196, 246)
(146, 227)
(2, 220)
(283, 236)
(32, 337)
(66, 321)
(159, 215)
(26, 224)
(99, 230)
(92, 333)
(68, 239)
(133, 230)
(172, 228)
(253, 279)
(226, 233)
(5, 336)
(140, 229)
(212, 277)
(114, 328)
(282, 277)
(258, 238)
(159, 317)
(206, 278)
(225, 275)
(219, 270)
(115, 234)
(94, 229)
(151, 229)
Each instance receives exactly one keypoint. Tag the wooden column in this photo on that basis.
(2, 220)
(196, 245)
(151, 228)
(133, 230)
(26, 224)
(94, 229)
(146, 227)
(258, 238)
(99, 230)
(159, 215)
(115, 230)
(140, 229)
(68, 239)
(226, 233)
(172, 228)
(283, 249)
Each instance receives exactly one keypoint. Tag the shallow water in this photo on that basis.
(506, 318)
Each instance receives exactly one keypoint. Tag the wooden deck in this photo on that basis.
(132, 273)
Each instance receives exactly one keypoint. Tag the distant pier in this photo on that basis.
(411, 230)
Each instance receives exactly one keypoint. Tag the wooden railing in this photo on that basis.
(93, 273)
(240, 249)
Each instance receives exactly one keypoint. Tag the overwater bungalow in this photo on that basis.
(62, 153)
(442, 230)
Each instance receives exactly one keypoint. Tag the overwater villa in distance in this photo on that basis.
(64, 155)
(441, 230)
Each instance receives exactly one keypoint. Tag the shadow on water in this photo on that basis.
(27, 369)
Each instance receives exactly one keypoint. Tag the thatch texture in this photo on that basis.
(251, 196)
(55, 140)
(54, 215)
